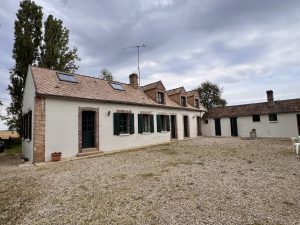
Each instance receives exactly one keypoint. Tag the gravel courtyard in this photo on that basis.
(199, 181)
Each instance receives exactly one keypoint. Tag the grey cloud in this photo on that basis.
(231, 42)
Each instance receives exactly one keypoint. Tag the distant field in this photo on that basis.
(5, 134)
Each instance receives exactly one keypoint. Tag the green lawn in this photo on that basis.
(17, 149)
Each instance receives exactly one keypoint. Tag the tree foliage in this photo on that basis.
(211, 95)
(106, 75)
(55, 53)
(28, 37)
(32, 47)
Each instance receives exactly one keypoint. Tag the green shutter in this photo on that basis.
(158, 119)
(151, 124)
(116, 123)
(26, 126)
(131, 123)
(168, 123)
(29, 124)
(140, 123)
(22, 127)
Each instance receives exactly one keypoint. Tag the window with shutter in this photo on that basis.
(158, 121)
(123, 123)
(163, 123)
(145, 123)
(27, 126)
(151, 124)
(131, 124)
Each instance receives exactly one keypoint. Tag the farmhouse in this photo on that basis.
(76, 114)
(265, 119)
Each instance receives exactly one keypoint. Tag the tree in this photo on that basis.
(106, 75)
(28, 37)
(211, 95)
(55, 53)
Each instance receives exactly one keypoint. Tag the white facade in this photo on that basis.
(285, 126)
(28, 104)
(61, 126)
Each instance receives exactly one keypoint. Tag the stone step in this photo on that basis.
(88, 153)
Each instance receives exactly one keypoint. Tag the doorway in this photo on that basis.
(298, 120)
(218, 127)
(199, 131)
(186, 126)
(233, 126)
(173, 127)
(88, 129)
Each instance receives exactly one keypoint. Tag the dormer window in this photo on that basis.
(197, 105)
(183, 100)
(160, 97)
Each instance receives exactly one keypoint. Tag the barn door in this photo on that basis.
(298, 120)
(186, 126)
(218, 127)
(233, 126)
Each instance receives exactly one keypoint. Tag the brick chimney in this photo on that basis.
(133, 79)
(270, 97)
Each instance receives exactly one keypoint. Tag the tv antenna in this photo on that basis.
(138, 53)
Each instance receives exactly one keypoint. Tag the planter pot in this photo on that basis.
(56, 156)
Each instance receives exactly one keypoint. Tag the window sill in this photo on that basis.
(146, 133)
(125, 134)
(273, 121)
(164, 131)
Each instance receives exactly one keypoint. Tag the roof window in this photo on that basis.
(67, 77)
(117, 86)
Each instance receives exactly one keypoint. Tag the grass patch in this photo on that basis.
(15, 150)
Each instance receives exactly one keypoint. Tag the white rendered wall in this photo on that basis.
(61, 129)
(28, 104)
(285, 127)
(209, 128)
(225, 127)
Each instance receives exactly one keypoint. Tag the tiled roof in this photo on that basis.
(191, 93)
(47, 83)
(283, 106)
(151, 86)
(174, 91)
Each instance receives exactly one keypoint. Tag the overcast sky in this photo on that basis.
(247, 47)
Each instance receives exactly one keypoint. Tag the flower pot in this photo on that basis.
(56, 156)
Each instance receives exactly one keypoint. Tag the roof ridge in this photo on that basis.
(77, 74)
(255, 103)
(174, 89)
(151, 83)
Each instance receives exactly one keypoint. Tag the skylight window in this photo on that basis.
(117, 86)
(67, 77)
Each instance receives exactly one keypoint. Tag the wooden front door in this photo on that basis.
(233, 126)
(199, 131)
(218, 127)
(88, 129)
(298, 120)
(186, 126)
(173, 127)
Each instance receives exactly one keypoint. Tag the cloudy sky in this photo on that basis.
(247, 47)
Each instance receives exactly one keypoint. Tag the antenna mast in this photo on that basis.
(138, 54)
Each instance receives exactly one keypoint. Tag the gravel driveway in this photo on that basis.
(199, 181)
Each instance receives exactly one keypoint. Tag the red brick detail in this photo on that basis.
(39, 130)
